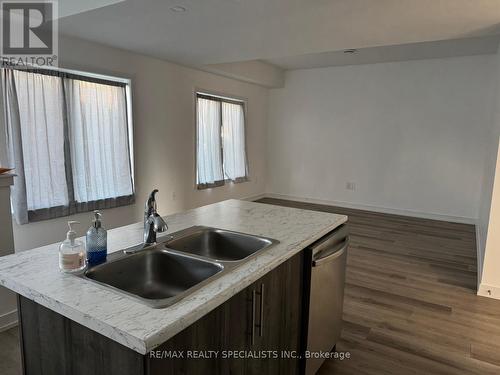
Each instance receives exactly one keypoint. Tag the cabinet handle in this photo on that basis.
(261, 320)
(253, 317)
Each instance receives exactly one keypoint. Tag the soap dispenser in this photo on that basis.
(72, 252)
(97, 248)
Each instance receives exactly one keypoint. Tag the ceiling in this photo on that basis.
(289, 33)
(68, 8)
(402, 52)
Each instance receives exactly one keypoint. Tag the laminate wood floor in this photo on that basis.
(410, 303)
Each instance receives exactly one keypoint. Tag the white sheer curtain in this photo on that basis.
(34, 112)
(13, 143)
(208, 148)
(233, 141)
(68, 141)
(98, 139)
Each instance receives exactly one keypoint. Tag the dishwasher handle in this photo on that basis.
(335, 253)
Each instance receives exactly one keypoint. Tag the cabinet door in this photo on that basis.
(263, 318)
(53, 344)
(236, 336)
(278, 320)
(223, 329)
(202, 336)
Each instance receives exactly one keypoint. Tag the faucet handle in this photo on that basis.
(159, 225)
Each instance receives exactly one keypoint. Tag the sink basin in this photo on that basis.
(155, 275)
(218, 244)
(159, 275)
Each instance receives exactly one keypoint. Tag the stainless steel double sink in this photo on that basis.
(160, 275)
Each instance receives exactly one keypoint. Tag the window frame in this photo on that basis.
(99, 78)
(220, 97)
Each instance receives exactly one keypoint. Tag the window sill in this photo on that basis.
(78, 207)
(239, 180)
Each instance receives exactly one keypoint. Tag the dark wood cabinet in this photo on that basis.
(52, 344)
(257, 331)
(278, 319)
(210, 336)
(252, 333)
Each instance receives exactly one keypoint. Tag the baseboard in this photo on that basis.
(489, 291)
(384, 210)
(8, 320)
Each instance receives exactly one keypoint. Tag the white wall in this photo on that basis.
(411, 135)
(490, 277)
(164, 136)
(489, 212)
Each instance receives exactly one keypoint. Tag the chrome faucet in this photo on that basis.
(153, 223)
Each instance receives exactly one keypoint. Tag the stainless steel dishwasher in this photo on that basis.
(326, 297)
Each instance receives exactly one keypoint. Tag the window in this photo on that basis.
(220, 143)
(68, 137)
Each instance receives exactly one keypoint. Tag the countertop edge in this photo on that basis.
(123, 338)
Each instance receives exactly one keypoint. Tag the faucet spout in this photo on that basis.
(153, 222)
(150, 205)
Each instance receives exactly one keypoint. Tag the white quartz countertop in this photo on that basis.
(34, 274)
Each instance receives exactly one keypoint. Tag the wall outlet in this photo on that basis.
(350, 185)
(174, 196)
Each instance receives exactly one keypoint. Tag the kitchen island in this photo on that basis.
(118, 334)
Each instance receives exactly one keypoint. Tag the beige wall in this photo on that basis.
(164, 136)
(490, 279)
(489, 213)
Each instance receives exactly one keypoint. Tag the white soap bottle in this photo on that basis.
(72, 252)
